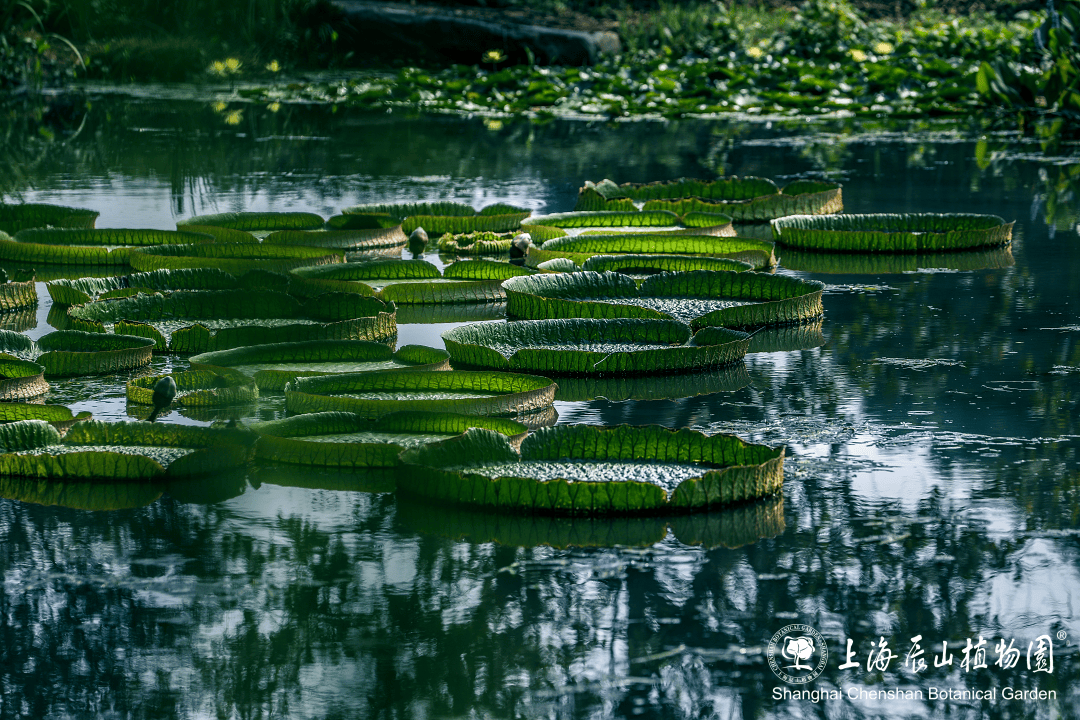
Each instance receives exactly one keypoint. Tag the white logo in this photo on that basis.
(802, 654)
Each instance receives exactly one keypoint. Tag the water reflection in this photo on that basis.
(931, 485)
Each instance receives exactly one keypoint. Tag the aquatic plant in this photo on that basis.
(912, 232)
(436, 218)
(15, 217)
(75, 352)
(758, 253)
(197, 388)
(593, 347)
(591, 470)
(235, 258)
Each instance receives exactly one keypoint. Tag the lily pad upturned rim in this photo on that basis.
(197, 388)
(234, 258)
(123, 237)
(662, 263)
(733, 471)
(758, 253)
(513, 393)
(26, 379)
(471, 345)
(75, 352)
(416, 357)
(283, 440)
(59, 416)
(777, 299)
(257, 221)
(57, 216)
(892, 232)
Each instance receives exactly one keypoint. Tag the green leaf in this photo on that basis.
(17, 217)
(110, 236)
(602, 219)
(198, 388)
(74, 352)
(908, 233)
(235, 258)
(257, 221)
(380, 393)
(340, 239)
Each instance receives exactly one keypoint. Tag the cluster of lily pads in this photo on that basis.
(643, 291)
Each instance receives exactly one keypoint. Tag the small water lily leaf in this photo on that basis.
(592, 347)
(274, 366)
(74, 352)
(21, 379)
(257, 221)
(602, 219)
(15, 217)
(342, 439)
(27, 253)
(475, 243)
(380, 393)
(198, 388)
(892, 233)
(592, 470)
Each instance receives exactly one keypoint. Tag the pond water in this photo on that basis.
(932, 484)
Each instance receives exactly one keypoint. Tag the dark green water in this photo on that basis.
(932, 485)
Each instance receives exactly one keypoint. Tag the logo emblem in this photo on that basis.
(797, 654)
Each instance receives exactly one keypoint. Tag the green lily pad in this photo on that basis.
(94, 450)
(731, 527)
(20, 216)
(657, 387)
(343, 439)
(84, 290)
(198, 388)
(340, 239)
(593, 347)
(257, 221)
(59, 416)
(273, 366)
(700, 298)
(437, 218)
(202, 321)
(887, 264)
(592, 470)
(235, 258)
(75, 352)
(118, 237)
(25, 253)
(744, 199)
(644, 265)
(757, 253)
(476, 243)
(891, 233)
(21, 379)
(17, 296)
(379, 393)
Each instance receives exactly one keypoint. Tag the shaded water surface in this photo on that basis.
(932, 484)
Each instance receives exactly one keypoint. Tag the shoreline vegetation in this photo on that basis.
(1014, 62)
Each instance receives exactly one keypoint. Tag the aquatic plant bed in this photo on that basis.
(744, 199)
(202, 321)
(273, 366)
(93, 450)
(341, 439)
(587, 346)
(380, 393)
(892, 233)
(16, 295)
(700, 298)
(592, 470)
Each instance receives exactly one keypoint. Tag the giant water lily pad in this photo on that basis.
(75, 352)
(592, 470)
(729, 527)
(84, 290)
(70, 258)
(379, 393)
(641, 266)
(892, 233)
(757, 253)
(342, 439)
(436, 218)
(95, 450)
(16, 296)
(233, 258)
(892, 263)
(20, 379)
(20, 216)
(256, 221)
(273, 366)
(198, 388)
(59, 416)
(593, 347)
(418, 282)
(696, 223)
(745, 199)
(700, 298)
(340, 239)
(202, 321)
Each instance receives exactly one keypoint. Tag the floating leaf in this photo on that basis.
(340, 239)
(74, 352)
(257, 221)
(198, 388)
(592, 347)
(343, 439)
(379, 393)
(591, 470)
(110, 236)
(235, 258)
(883, 232)
(757, 253)
(274, 366)
(17, 217)
(438, 218)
